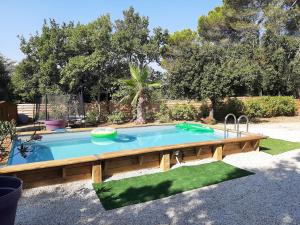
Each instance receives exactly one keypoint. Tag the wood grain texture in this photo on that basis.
(165, 161)
(218, 152)
(97, 172)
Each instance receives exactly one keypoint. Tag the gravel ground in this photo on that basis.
(281, 130)
(271, 196)
(287, 131)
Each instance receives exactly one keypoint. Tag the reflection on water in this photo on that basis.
(123, 138)
(37, 153)
(120, 138)
(102, 141)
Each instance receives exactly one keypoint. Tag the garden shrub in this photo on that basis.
(164, 114)
(270, 106)
(150, 115)
(230, 105)
(184, 112)
(92, 116)
(204, 110)
(116, 117)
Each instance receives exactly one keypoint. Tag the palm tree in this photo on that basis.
(139, 89)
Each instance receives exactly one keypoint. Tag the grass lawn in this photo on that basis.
(276, 146)
(115, 194)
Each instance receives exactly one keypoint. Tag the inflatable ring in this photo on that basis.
(104, 132)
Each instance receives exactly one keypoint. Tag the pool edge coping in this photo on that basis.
(123, 153)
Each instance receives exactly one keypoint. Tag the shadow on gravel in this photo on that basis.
(269, 197)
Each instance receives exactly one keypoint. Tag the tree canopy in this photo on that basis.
(249, 47)
(242, 48)
(6, 68)
(87, 58)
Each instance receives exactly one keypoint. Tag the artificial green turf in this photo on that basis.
(277, 146)
(115, 194)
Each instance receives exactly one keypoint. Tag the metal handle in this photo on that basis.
(239, 134)
(225, 123)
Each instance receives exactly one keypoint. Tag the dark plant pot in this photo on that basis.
(55, 124)
(10, 193)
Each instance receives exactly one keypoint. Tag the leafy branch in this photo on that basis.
(8, 135)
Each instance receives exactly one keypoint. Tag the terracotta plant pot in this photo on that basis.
(10, 193)
(55, 124)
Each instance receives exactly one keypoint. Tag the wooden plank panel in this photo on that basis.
(246, 147)
(231, 148)
(131, 168)
(255, 145)
(128, 161)
(40, 175)
(80, 169)
(192, 158)
(53, 181)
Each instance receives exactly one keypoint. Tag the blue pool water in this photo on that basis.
(71, 145)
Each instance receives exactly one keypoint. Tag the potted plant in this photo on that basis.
(57, 121)
(10, 193)
(10, 187)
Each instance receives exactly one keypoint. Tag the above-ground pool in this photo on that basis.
(77, 144)
(70, 156)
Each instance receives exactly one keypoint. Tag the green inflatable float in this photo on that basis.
(104, 132)
(195, 127)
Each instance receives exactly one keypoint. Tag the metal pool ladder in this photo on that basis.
(225, 124)
(239, 134)
(236, 125)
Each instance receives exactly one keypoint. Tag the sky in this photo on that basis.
(25, 17)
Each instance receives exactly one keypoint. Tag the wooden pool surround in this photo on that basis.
(97, 167)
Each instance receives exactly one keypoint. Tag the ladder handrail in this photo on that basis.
(238, 124)
(225, 122)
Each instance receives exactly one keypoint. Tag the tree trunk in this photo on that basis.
(140, 110)
(211, 117)
(297, 93)
(98, 106)
(212, 109)
(211, 113)
(107, 102)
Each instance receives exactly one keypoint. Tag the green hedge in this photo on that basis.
(256, 107)
(270, 106)
(230, 105)
(117, 117)
(184, 112)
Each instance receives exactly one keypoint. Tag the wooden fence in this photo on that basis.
(8, 111)
(26, 109)
(29, 109)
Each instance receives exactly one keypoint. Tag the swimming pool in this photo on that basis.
(71, 156)
(79, 144)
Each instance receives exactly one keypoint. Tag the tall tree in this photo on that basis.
(46, 55)
(85, 57)
(6, 68)
(236, 20)
(139, 89)
(133, 41)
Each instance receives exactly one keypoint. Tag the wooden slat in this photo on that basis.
(124, 169)
(165, 161)
(97, 172)
(218, 153)
(140, 159)
(256, 145)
